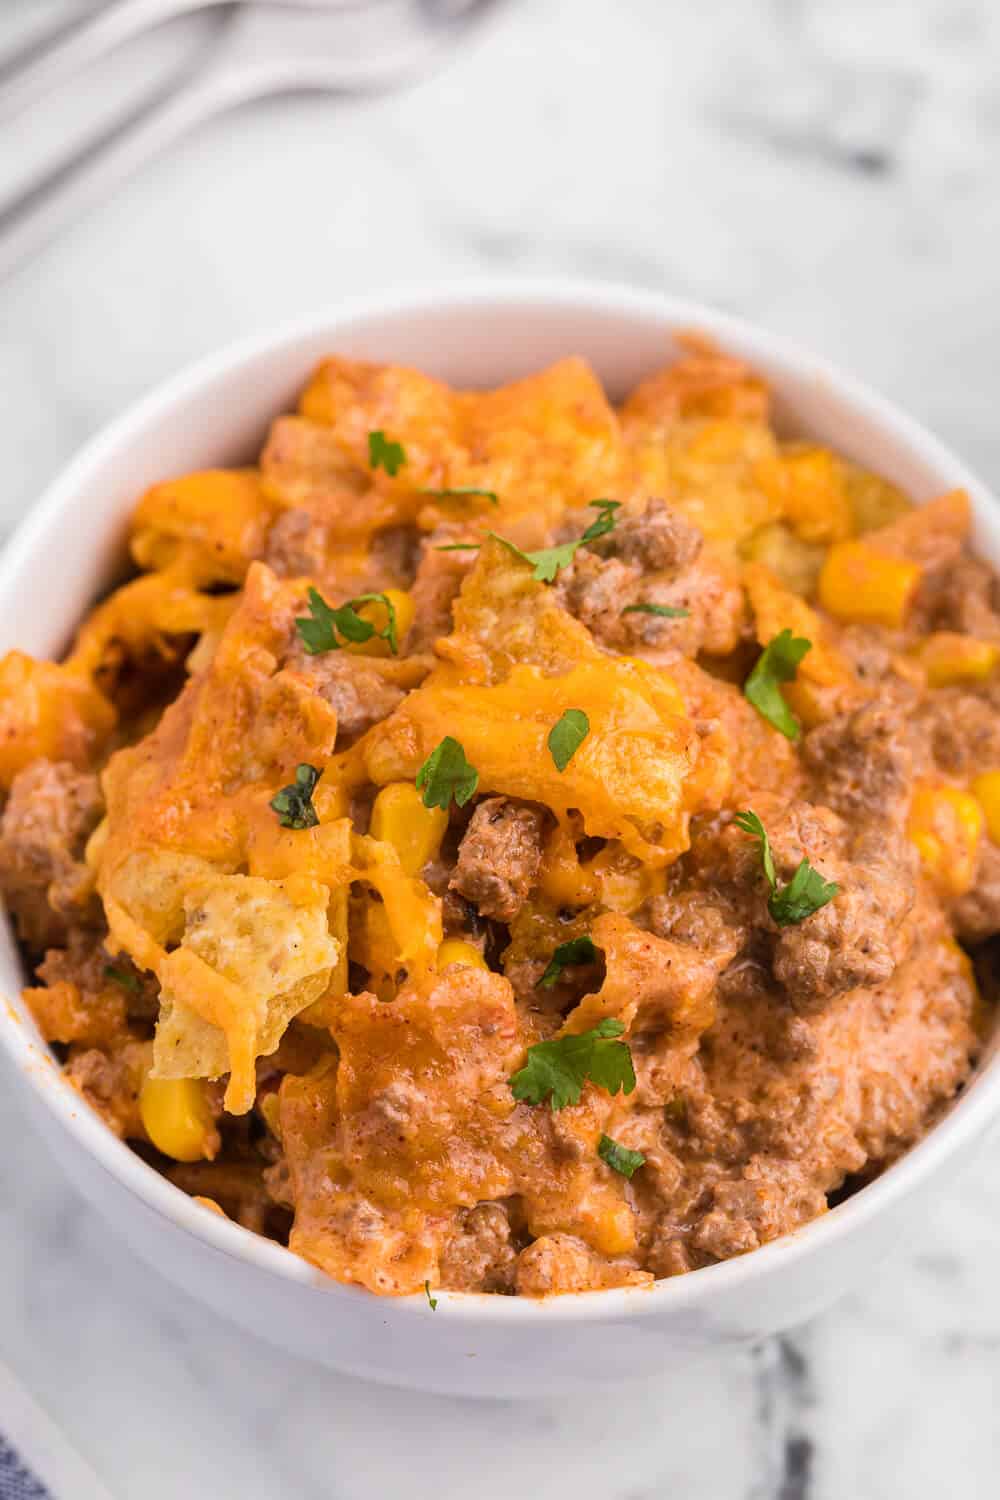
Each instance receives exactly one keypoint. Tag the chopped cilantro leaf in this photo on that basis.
(751, 824)
(293, 804)
(350, 624)
(387, 634)
(579, 950)
(320, 628)
(566, 737)
(557, 1070)
(432, 1300)
(605, 521)
(619, 1158)
(383, 454)
(446, 774)
(547, 562)
(804, 894)
(777, 663)
(665, 611)
(460, 491)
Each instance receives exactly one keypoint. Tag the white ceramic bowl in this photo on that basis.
(217, 413)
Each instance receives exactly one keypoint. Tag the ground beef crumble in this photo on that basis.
(51, 811)
(499, 856)
(383, 1136)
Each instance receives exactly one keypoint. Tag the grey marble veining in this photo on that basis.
(829, 167)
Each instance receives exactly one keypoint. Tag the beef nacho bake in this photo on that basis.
(507, 843)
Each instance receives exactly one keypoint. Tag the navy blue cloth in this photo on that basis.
(16, 1482)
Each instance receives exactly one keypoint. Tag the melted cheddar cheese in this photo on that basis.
(366, 975)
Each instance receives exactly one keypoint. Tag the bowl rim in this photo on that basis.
(966, 1119)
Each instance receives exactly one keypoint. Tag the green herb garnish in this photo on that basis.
(665, 611)
(432, 1300)
(317, 630)
(546, 562)
(557, 1070)
(446, 774)
(293, 804)
(320, 628)
(751, 824)
(579, 950)
(460, 491)
(777, 663)
(566, 737)
(389, 634)
(605, 521)
(619, 1158)
(804, 894)
(383, 454)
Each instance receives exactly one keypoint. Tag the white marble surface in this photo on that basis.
(827, 166)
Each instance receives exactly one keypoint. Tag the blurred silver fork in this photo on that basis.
(79, 39)
(263, 50)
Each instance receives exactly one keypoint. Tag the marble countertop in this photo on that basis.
(828, 167)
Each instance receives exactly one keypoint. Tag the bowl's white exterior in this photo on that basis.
(64, 554)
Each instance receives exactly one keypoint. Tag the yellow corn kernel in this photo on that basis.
(375, 612)
(816, 501)
(946, 825)
(177, 1120)
(948, 657)
(857, 583)
(400, 818)
(609, 1226)
(812, 703)
(874, 501)
(797, 563)
(986, 790)
(457, 951)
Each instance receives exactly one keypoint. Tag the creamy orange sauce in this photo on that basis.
(316, 1024)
